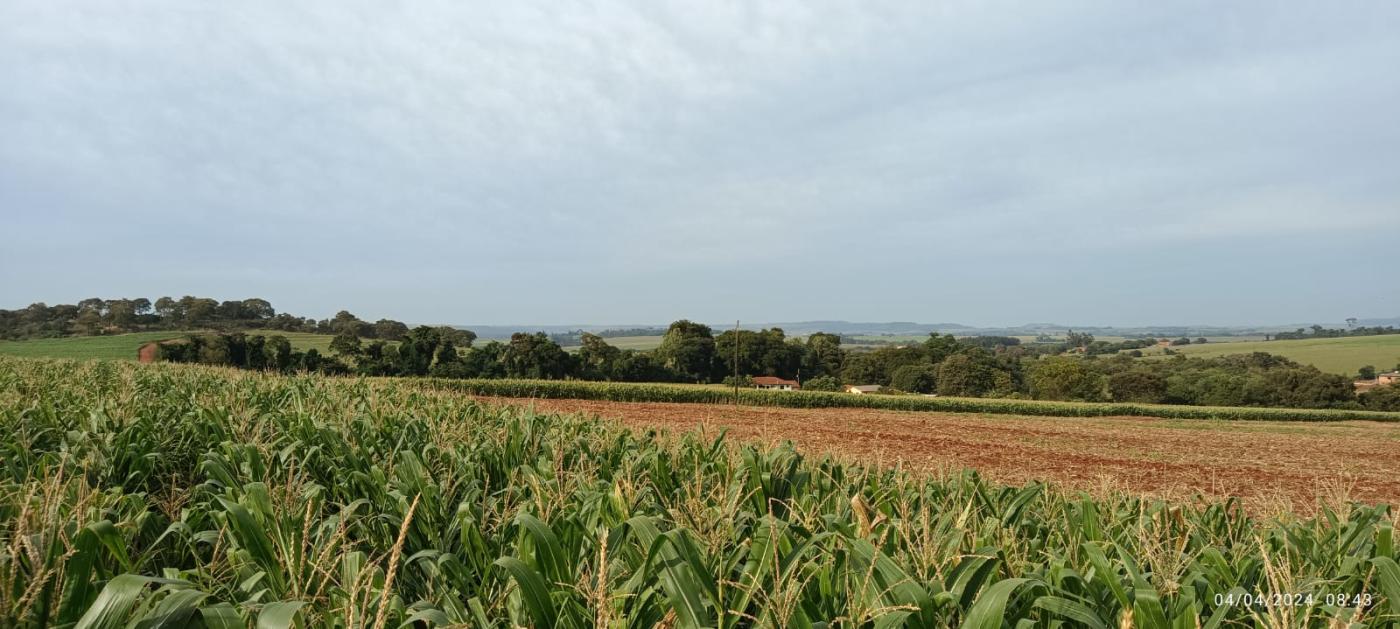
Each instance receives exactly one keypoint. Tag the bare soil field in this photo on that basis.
(1273, 466)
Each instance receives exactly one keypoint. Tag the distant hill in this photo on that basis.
(909, 328)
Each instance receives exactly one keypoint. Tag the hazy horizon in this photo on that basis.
(989, 164)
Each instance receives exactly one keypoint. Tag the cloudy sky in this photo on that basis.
(577, 162)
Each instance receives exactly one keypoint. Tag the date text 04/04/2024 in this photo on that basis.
(1247, 599)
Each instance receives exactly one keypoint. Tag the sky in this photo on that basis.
(986, 163)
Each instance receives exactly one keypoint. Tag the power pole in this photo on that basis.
(736, 363)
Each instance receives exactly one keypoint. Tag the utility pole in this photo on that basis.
(736, 363)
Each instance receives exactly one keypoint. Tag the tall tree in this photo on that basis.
(688, 349)
(535, 356)
(823, 355)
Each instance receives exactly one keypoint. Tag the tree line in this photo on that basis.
(1319, 332)
(692, 352)
(985, 366)
(96, 316)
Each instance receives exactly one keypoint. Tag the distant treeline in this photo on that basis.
(1319, 332)
(943, 364)
(575, 337)
(116, 316)
(1078, 368)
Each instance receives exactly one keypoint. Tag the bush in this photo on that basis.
(1386, 398)
(822, 383)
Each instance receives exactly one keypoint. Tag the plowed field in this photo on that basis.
(1271, 465)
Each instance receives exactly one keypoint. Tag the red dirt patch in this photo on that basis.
(1272, 465)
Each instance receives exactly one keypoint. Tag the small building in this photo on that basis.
(862, 389)
(1389, 377)
(775, 383)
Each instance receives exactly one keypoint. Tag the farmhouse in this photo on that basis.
(1389, 377)
(862, 389)
(775, 383)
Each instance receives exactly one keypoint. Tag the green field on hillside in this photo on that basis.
(627, 342)
(1340, 355)
(124, 346)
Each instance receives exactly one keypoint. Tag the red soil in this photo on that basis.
(1283, 465)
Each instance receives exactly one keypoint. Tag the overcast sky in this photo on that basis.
(567, 162)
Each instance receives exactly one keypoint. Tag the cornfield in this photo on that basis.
(633, 392)
(173, 496)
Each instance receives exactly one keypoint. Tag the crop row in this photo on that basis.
(174, 496)
(698, 394)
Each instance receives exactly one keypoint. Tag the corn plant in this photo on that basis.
(175, 496)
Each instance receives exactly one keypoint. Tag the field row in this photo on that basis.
(697, 394)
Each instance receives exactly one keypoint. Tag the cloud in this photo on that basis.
(291, 150)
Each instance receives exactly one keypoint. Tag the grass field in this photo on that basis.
(627, 342)
(174, 495)
(1340, 355)
(124, 346)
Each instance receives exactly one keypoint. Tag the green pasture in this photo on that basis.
(124, 346)
(1337, 355)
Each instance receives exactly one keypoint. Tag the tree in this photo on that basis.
(1367, 373)
(346, 343)
(343, 321)
(416, 352)
(458, 336)
(822, 383)
(486, 361)
(688, 349)
(535, 356)
(596, 358)
(1064, 378)
(89, 321)
(1078, 339)
(121, 312)
(941, 346)
(1137, 385)
(448, 363)
(167, 309)
(966, 374)
(822, 355)
(764, 353)
(279, 353)
(389, 330)
(255, 308)
(196, 310)
(915, 378)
